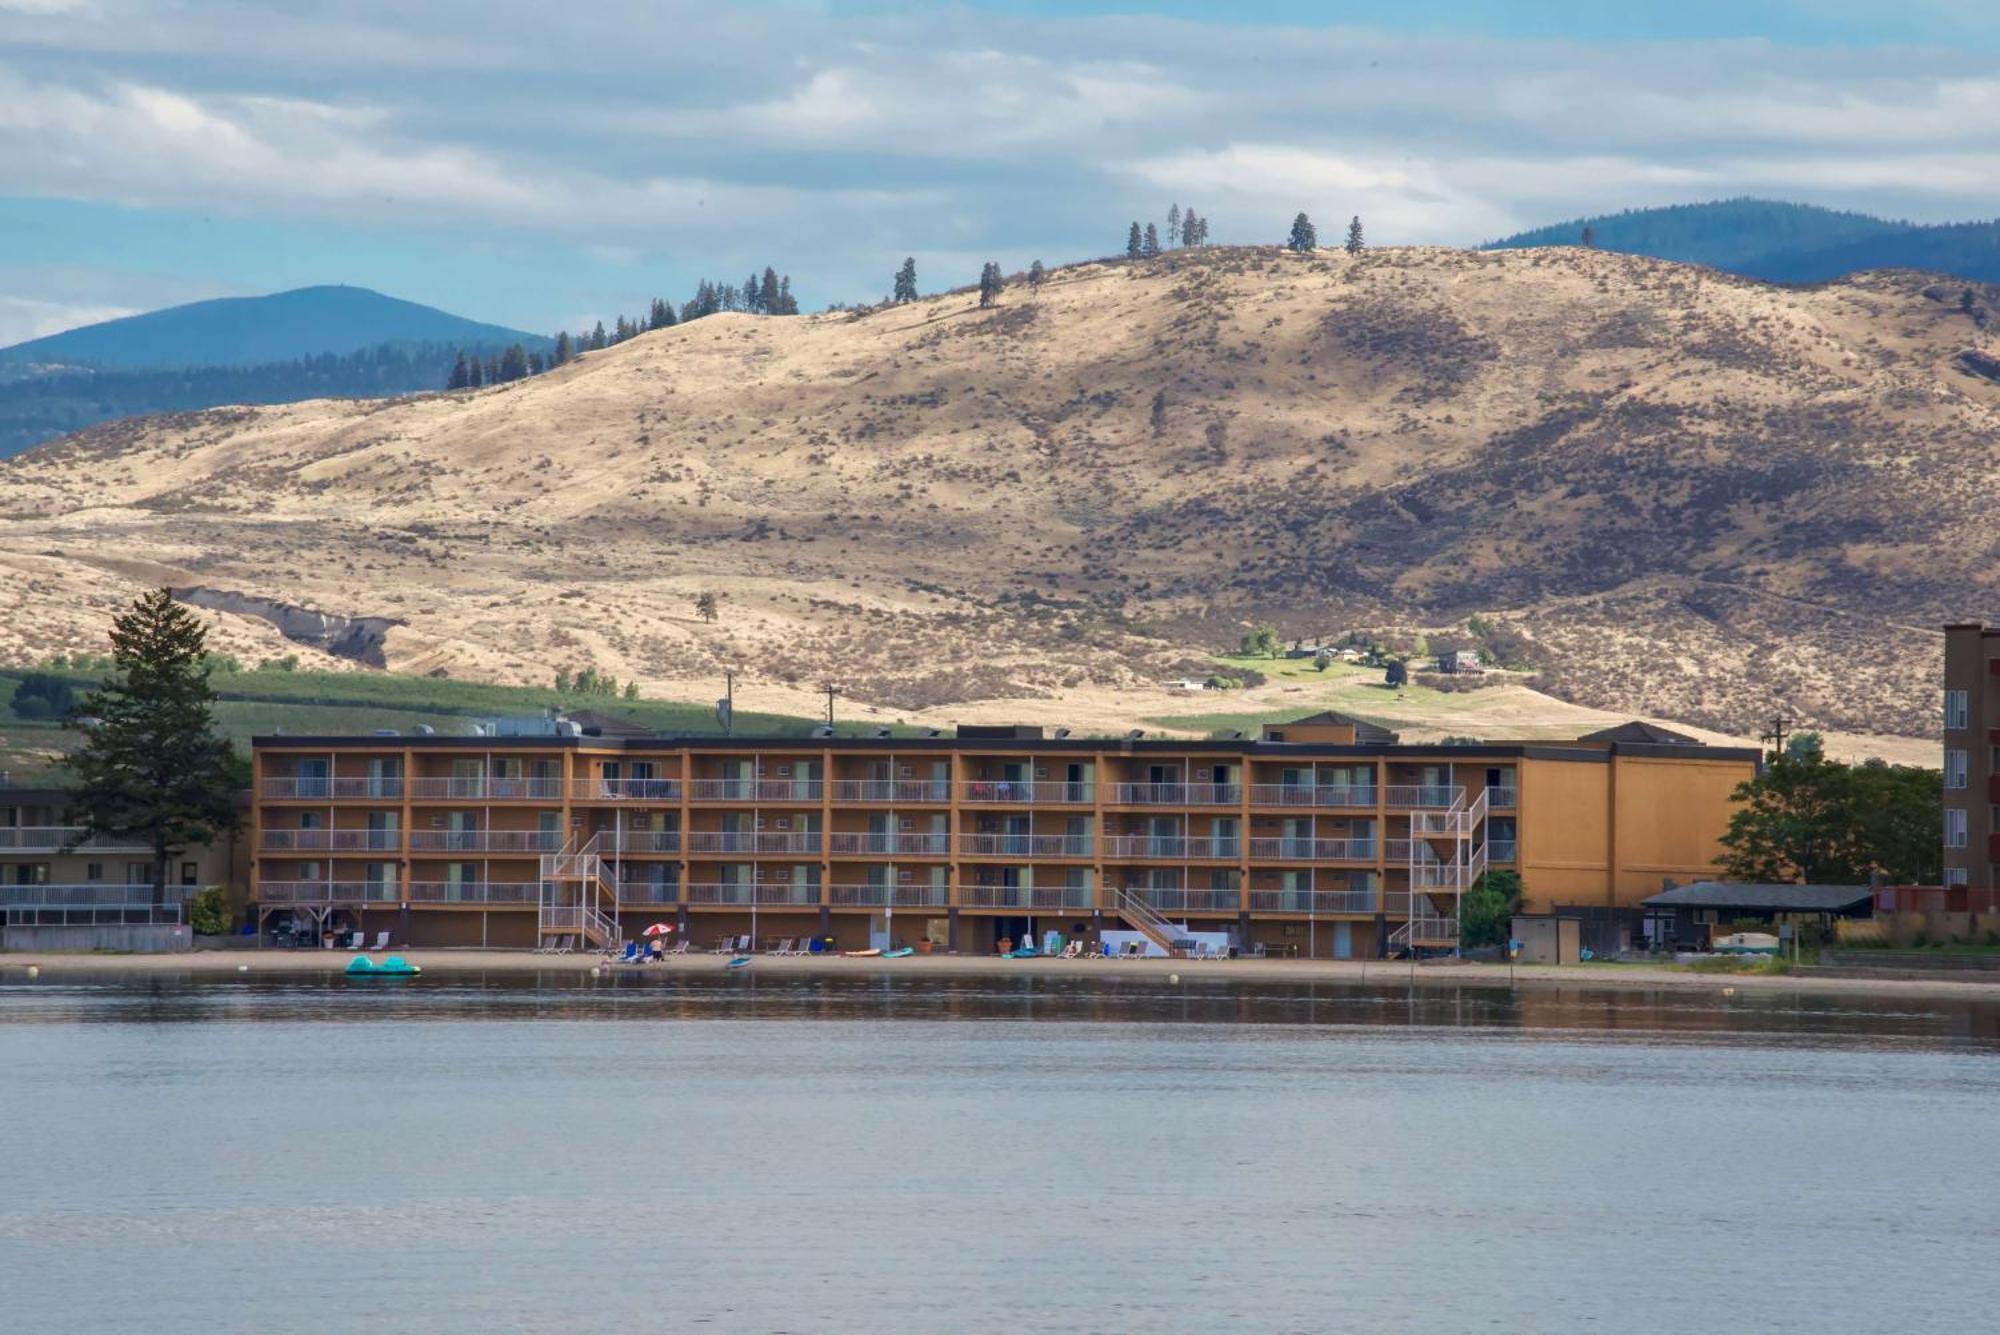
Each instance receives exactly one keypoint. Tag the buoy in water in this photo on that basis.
(1173, 978)
(594, 971)
(243, 968)
(34, 972)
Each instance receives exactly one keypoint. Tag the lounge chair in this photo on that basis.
(1073, 950)
(382, 940)
(631, 955)
(681, 947)
(784, 946)
(1257, 952)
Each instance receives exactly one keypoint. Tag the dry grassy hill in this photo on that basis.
(1693, 496)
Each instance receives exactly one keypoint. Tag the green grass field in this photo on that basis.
(1346, 687)
(348, 703)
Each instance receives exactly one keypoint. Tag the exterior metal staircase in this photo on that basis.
(578, 902)
(1144, 919)
(1447, 858)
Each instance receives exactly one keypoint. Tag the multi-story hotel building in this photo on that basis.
(1324, 835)
(1972, 766)
(52, 875)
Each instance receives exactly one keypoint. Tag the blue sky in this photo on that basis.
(545, 165)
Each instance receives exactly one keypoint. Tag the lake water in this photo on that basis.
(746, 1154)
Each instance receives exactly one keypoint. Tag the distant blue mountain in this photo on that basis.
(255, 331)
(1781, 242)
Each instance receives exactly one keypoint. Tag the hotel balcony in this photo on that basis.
(1502, 798)
(886, 845)
(1170, 848)
(755, 790)
(1188, 901)
(65, 839)
(330, 841)
(1312, 901)
(487, 894)
(775, 893)
(1037, 898)
(912, 895)
(1405, 796)
(328, 893)
(387, 788)
(1025, 845)
(780, 843)
(1043, 793)
(483, 789)
(904, 792)
(612, 841)
(1176, 794)
(625, 790)
(90, 895)
(485, 841)
(647, 894)
(1312, 850)
(1323, 795)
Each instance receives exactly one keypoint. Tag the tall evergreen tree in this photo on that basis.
(753, 294)
(787, 303)
(1150, 246)
(1036, 275)
(1304, 239)
(475, 374)
(152, 766)
(1194, 230)
(1589, 238)
(1134, 242)
(990, 283)
(1174, 225)
(906, 281)
(563, 351)
(461, 374)
(1355, 244)
(769, 299)
(597, 340)
(514, 363)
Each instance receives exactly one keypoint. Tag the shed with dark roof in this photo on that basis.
(1689, 916)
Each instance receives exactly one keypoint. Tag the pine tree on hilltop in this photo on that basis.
(906, 281)
(1174, 225)
(461, 374)
(769, 299)
(1150, 246)
(1355, 244)
(475, 374)
(1134, 240)
(1304, 239)
(514, 363)
(597, 341)
(990, 283)
(787, 303)
(563, 352)
(1194, 230)
(1036, 275)
(152, 766)
(1589, 238)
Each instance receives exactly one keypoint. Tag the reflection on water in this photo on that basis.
(972, 1154)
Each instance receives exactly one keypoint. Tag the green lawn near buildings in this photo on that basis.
(1346, 688)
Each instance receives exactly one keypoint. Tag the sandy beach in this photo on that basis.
(15, 968)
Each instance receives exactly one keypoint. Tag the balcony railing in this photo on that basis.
(1173, 848)
(1501, 850)
(914, 895)
(328, 892)
(755, 790)
(889, 845)
(1189, 901)
(70, 838)
(1177, 794)
(611, 842)
(512, 894)
(625, 790)
(1312, 901)
(1312, 850)
(477, 788)
(1026, 845)
(485, 841)
(1018, 791)
(913, 792)
(1406, 796)
(1313, 795)
(330, 841)
(388, 787)
(90, 895)
(1036, 897)
(1502, 798)
(646, 894)
(762, 894)
(795, 843)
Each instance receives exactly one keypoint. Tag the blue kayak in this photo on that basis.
(740, 962)
(393, 967)
(898, 954)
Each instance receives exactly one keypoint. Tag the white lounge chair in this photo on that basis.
(784, 946)
(382, 940)
(681, 947)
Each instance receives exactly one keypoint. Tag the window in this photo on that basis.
(1954, 827)
(190, 873)
(93, 871)
(1955, 769)
(1954, 876)
(1956, 707)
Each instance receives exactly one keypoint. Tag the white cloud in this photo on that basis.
(23, 318)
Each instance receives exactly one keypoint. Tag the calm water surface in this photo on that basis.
(963, 1155)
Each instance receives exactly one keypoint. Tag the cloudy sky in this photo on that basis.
(542, 164)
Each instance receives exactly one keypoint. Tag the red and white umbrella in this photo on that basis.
(659, 929)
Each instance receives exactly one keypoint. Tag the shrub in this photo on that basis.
(42, 695)
(208, 911)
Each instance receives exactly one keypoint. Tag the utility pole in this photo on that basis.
(829, 688)
(1776, 736)
(728, 704)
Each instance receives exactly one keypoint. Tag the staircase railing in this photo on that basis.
(582, 865)
(1147, 921)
